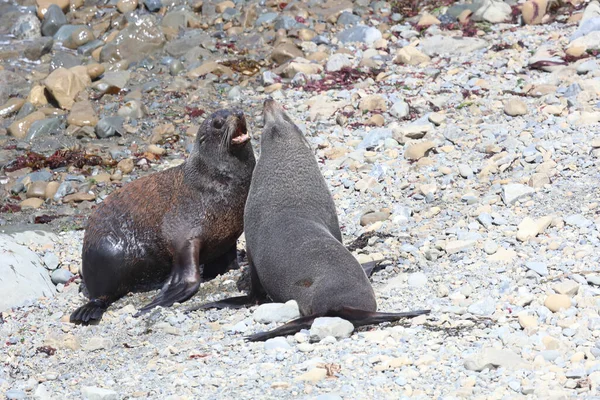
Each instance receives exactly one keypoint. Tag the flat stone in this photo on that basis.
(527, 321)
(276, 312)
(65, 84)
(31, 203)
(338, 61)
(277, 343)
(24, 276)
(555, 302)
(82, 114)
(314, 375)
(417, 279)
(96, 393)
(360, 33)
(538, 267)
(418, 150)
(491, 358)
(568, 287)
(483, 307)
(515, 107)
(53, 20)
(373, 102)
(20, 127)
(515, 191)
(437, 44)
(373, 217)
(330, 326)
(457, 246)
(60, 275)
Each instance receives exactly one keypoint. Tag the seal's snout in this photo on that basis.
(238, 127)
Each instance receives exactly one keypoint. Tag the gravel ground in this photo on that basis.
(464, 158)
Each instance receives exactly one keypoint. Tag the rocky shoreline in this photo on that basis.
(460, 142)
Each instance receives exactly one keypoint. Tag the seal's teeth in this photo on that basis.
(240, 139)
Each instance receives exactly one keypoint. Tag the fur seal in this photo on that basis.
(293, 239)
(172, 228)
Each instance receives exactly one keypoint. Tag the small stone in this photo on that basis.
(61, 275)
(27, 26)
(555, 302)
(125, 165)
(330, 326)
(276, 312)
(400, 109)
(538, 267)
(82, 114)
(515, 191)
(96, 393)
(51, 261)
(375, 120)
(373, 217)
(490, 247)
(65, 84)
(491, 358)
(418, 150)
(109, 126)
(132, 109)
(94, 70)
(20, 127)
(527, 321)
(428, 20)
(483, 307)
(78, 197)
(417, 279)
(411, 56)
(33, 202)
(314, 375)
(364, 34)
(515, 107)
(11, 106)
(465, 171)
(277, 343)
(457, 246)
(53, 20)
(285, 52)
(338, 61)
(538, 180)
(373, 102)
(568, 287)
(125, 6)
(533, 11)
(36, 189)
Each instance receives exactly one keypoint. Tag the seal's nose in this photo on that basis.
(271, 106)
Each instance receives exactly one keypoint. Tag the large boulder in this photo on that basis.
(23, 276)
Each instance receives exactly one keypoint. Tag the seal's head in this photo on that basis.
(224, 128)
(279, 127)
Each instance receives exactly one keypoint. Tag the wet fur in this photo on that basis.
(136, 235)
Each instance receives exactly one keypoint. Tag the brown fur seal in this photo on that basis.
(174, 227)
(294, 243)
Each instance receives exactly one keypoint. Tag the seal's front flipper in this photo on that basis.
(92, 311)
(361, 317)
(184, 280)
(291, 327)
(231, 302)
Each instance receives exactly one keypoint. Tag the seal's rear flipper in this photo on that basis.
(231, 302)
(184, 280)
(291, 327)
(89, 312)
(360, 317)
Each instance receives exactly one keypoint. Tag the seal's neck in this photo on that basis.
(205, 169)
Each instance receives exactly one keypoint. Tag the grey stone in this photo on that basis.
(578, 221)
(483, 307)
(490, 247)
(515, 191)
(400, 109)
(12, 84)
(550, 355)
(176, 67)
(38, 47)
(277, 343)
(15, 394)
(417, 279)
(485, 219)
(23, 277)
(539, 267)
(374, 136)
(153, 5)
(330, 326)
(96, 393)
(276, 312)
(465, 171)
(235, 94)
(588, 66)
(347, 18)
(25, 110)
(109, 126)
(593, 279)
(360, 33)
(338, 61)
(48, 126)
(88, 48)
(64, 189)
(284, 22)
(51, 260)
(141, 37)
(64, 32)
(588, 26)
(53, 20)
(437, 44)
(27, 26)
(64, 60)
(41, 175)
(490, 358)
(266, 18)
(61, 275)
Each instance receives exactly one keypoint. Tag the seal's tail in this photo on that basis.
(90, 311)
(355, 316)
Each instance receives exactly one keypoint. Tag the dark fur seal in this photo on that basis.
(294, 243)
(171, 228)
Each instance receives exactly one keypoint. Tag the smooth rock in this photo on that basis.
(437, 44)
(24, 276)
(418, 150)
(360, 33)
(330, 326)
(555, 302)
(337, 62)
(20, 127)
(276, 312)
(400, 109)
(53, 20)
(65, 84)
(61, 275)
(96, 393)
(277, 343)
(538, 267)
(410, 55)
(515, 191)
(490, 358)
(82, 114)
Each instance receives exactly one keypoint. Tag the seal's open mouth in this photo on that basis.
(240, 134)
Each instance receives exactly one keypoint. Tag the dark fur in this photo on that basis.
(171, 228)
(294, 243)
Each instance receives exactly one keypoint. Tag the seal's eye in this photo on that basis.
(218, 123)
